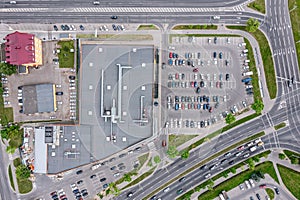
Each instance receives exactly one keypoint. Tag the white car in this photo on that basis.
(72, 88)
(207, 175)
(116, 174)
(251, 182)
(247, 184)
(58, 86)
(6, 103)
(167, 189)
(242, 187)
(59, 102)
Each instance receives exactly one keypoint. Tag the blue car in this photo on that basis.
(245, 80)
(170, 62)
(176, 106)
(195, 84)
(198, 106)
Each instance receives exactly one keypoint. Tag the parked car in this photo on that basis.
(114, 17)
(59, 93)
(81, 27)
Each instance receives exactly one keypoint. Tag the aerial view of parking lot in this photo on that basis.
(150, 100)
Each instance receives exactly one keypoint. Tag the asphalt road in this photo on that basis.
(120, 3)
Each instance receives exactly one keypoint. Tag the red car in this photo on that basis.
(241, 148)
(192, 83)
(182, 106)
(217, 84)
(263, 186)
(177, 76)
(210, 109)
(170, 55)
(195, 70)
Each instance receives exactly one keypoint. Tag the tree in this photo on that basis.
(156, 159)
(258, 106)
(210, 185)
(172, 152)
(127, 177)
(22, 172)
(256, 159)
(229, 118)
(252, 25)
(187, 196)
(225, 174)
(185, 154)
(8, 69)
(233, 170)
(10, 150)
(251, 163)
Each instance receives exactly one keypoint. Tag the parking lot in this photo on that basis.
(202, 81)
(49, 72)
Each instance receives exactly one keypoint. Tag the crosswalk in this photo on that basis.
(130, 9)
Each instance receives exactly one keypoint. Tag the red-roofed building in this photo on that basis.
(23, 49)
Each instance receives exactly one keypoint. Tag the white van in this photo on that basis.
(13, 2)
(96, 3)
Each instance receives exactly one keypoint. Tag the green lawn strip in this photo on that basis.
(270, 193)
(258, 5)
(226, 128)
(279, 126)
(142, 159)
(205, 161)
(266, 55)
(216, 177)
(147, 27)
(294, 157)
(266, 167)
(197, 26)
(24, 185)
(252, 67)
(11, 177)
(66, 58)
(291, 179)
(17, 140)
(294, 7)
(140, 178)
(17, 162)
(6, 114)
(177, 140)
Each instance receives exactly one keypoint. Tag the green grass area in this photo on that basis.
(11, 177)
(252, 67)
(17, 162)
(266, 167)
(266, 55)
(279, 126)
(24, 185)
(6, 114)
(205, 161)
(17, 140)
(140, 178)
(197, 26)
(270, 193)
(258, 5)
(147, 27)
(220, 131)
(142, 159)
(294, 157)
(294, 7)
(291, 180)
(66, 58)
(117, 36)
(177, 140)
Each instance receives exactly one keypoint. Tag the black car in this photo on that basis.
(105, 186)
(203, 167)
(85, 194)
(276, 190)
(198, 90)
(153, 198)
(220, 55)
(72, 77)
(113, 168)
(121, 164)
(84, 191)
(112, 159)
(79, 182)
(20, 100)
(215, 40)
(59, 93)
(55, 28)
(62, 27)
(201, 84)
(93, 176)
(258, 196)
(102, 179)
(76, 191)
(114, 17)
(215, 54)
(138, 149)
(81, 27)
(227, 77)
(122, 155)
(67, 27)
(231, 162)
(79, 172)
(114, 27)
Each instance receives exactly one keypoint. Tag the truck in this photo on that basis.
(245, 80)
(252, 148)
(248, 73)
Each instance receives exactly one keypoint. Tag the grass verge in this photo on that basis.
(6, 114)
(197, 26)
(205, 161)
(147, 27)
(218, 132)
(11, 178)
(66, 57)
(294, 7)
(291, 180)
(24, 185)
(270, 193)
(266, 167)
(177, 140)
(140, 178)
(142, 159)
(258, 5)
(294, 157)
(117, 37)
(17, 162)
(279, 126)
(266, 55)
